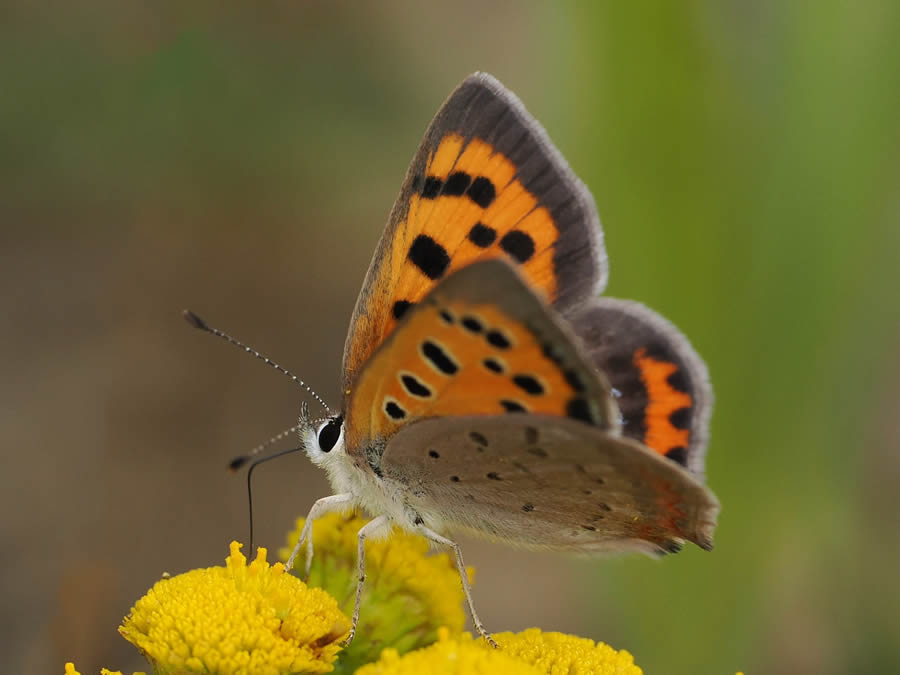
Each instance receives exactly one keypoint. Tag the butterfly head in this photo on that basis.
(323, 437)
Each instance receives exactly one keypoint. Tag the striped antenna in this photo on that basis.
(199, 323)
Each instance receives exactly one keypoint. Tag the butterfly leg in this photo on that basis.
(373, 527)
(433, 536)
(319, 509)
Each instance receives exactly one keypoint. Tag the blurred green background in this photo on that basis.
(242, 161)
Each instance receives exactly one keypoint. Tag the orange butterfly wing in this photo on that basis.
(481, 343)
(485, 183)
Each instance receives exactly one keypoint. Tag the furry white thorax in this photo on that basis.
(378, 496)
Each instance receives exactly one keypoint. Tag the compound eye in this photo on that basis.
(330, 433)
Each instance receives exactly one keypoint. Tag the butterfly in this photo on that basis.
(487, 385)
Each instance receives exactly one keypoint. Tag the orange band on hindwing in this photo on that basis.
(668, 414)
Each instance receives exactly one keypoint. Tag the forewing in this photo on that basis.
(481, 343)
(549, 483)
(485, 183)
(661, 384)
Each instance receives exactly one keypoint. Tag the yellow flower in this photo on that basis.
(461, 655)
(530, 652)
(238, 619)
(70, 670)
(558, 653)
(407, 595)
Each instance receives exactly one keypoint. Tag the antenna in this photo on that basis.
(255, 464)
(199, 323)
(240, 460)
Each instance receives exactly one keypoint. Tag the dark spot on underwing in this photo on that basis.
(493, 475)
(414, 386)
(537, 452)
(681, 418)
(429, 256)
(434, 453)
(478, 438)
(400, 308)
(394, 411)
(446, 316)
(529, 384)
(455, 479)
(527, 507)
(432, 187)
(603, 506)
(678, 454)
(439, 358)
(518, 244)
(457, 184)
(512, 406)
(531, 435)
(574, 380)
(471, 324)
(493, 365)
(481, 235)
(482, 192)
(497, 339)
(578, 409)
(678, 381)
(590, 528)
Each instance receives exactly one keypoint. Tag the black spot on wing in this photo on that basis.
(394, 411)
(678, 381)
(493, 475)
(432, 187)
(497, 339)
(529, 384)
(438, 358)
(574, 380)
(527, 507)
(493, 365)
(678, 455)
(518, 244)
(512, 406)
(681, 418)
(578, 409)
(482, 236)
(434, 454)
(478, 438)
(457, 184)
(471, 324)
(415, 386)
(482, 192)
(400, 308)
(429, 256)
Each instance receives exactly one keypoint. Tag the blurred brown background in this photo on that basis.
(242, 161)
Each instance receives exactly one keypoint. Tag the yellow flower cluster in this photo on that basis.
(408, 594)
(70, 670)
(239, 619)
(531, 652)
(255, 619)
